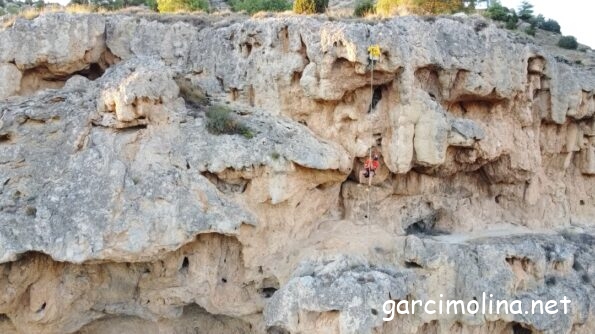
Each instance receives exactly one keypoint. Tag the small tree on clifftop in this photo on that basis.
(525, 11)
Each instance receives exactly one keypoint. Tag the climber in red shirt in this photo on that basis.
(371, 165)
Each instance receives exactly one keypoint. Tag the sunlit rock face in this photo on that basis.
(122, 210)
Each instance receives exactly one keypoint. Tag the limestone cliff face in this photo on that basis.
(121, 213)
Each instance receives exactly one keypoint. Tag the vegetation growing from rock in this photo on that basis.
(363, 8)
(550, 25)
(497, 12)
(110, 4)
(191, 94)
(253, 6)
(182, 5)
(568, 42)
(221, 120)
(525, 11)
(310, 6)
(389, 7)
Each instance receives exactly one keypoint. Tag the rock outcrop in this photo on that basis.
(122, 211)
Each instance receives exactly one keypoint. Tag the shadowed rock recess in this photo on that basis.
(122, 212)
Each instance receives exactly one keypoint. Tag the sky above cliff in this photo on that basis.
(575, 16)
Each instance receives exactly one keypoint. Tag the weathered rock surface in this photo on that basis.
(121, 212)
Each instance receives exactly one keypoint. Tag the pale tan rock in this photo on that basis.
(10, 80)
(141, 91)
(156, 225)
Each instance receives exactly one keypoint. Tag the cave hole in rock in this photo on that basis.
(479, 26)
(234, 94)
(224, 280)
(576, 265)
(185, 264)
(364, 280)
(550, 281)
(376, 97)
(295, 78)
(548, 250)
(581, 202)
(42, 307)
(412, 264)
(4, 317)
(324, 186)
(269, 286)
(132, 128)
(41, 77)
(227, 186)
(246, 48)
(519, 329)
(5, 138)
(378, 138)
(513, 259)
(268, 292)
(425, 226)
(498, 198)
(277, 330)
(374, 311)
(31, 211)
(428, 79)
(94, 71)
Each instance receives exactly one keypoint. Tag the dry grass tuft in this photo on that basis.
(83, 9)
(30, 13)
(8, 21)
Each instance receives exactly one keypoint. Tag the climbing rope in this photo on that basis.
(374, 55)
(368, 190)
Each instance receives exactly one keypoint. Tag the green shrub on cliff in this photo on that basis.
(568, 42)
(363, 8)
(253, 6)
(550, 25)
(310, 6)
(526, 11)
(530, 30)
(498, 12)
(221, 120)
(389, 7)
(165, 6)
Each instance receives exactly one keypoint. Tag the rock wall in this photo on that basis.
(121, 212)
